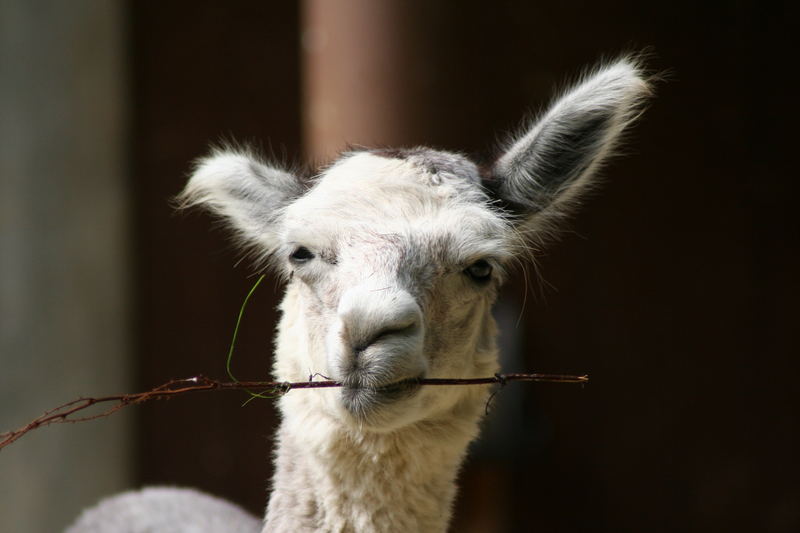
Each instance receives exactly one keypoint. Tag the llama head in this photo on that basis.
(394, 257)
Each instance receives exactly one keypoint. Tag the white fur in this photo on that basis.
(164, 509)
(377, 254)
(613, 95)
(245, 191)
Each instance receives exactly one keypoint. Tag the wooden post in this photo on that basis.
(364, 76)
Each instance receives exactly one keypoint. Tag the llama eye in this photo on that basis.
(480, 271)
(301, 255)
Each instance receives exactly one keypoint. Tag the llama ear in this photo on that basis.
(248, 193)
(555, 158)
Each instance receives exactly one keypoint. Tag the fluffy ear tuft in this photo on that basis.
(555, 158)
(246, 192)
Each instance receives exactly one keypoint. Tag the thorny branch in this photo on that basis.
(176, 387)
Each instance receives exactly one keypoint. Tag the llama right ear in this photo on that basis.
(249, 194)
(545, 168)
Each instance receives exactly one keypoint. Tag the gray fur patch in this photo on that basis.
(440, 165)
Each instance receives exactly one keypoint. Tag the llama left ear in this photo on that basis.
(556, 157)
(246, 192)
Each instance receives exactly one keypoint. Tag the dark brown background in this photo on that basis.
(675, 288)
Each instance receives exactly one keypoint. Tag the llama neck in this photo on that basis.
(330, 478)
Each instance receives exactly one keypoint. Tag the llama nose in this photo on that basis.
(373, 316)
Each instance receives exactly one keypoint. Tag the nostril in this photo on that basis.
(397, 330)
(405, 329)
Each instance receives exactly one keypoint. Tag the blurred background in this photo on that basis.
(675, 288)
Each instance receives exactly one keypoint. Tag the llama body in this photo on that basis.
(393, 259)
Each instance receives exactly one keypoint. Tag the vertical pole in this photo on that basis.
(362, 70)
(63, 254)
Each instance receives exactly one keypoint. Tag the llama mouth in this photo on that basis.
(403, 385)
(360, 398)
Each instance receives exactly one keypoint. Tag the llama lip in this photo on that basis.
(357, 384)
(402, 385)
(359, 397)
(399, 388)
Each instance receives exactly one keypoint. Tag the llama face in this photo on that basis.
(394, 256)
(397, 258)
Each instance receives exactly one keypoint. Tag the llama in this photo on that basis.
(392, 260)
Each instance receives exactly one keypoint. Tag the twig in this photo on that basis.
(176, 387)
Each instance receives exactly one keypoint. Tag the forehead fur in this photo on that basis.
(440, 165)
(403, 193)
